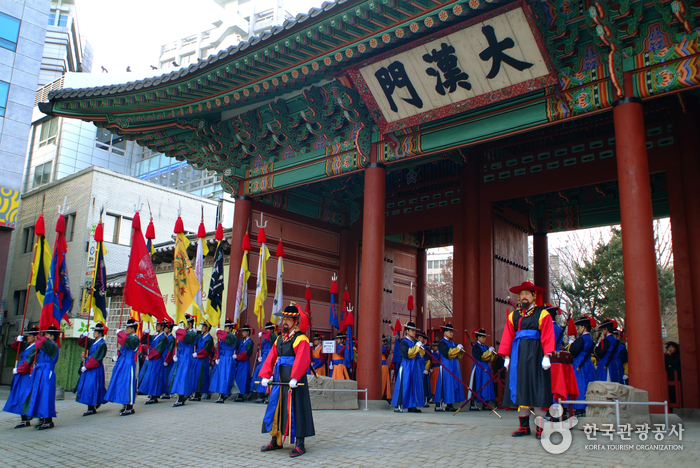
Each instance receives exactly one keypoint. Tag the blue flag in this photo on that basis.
(334, 313)
(349, 349)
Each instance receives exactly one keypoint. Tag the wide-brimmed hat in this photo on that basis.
(292, 311)
(269, 326)
(585, 320)
(247, 328)
(339, 336)
(317, 336)
(553, 310)
(448, 326)
(411, 326)
(131, 323)
(526, 286)
(607, 324)
(189, 318)
(229, 323)
(101, 327)
(31, 331)
(165, 322)
(480, 332)
(422, 335)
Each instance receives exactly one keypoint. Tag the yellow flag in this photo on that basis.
(186, 284)
(242, 292)
(261, 286)
(40, 267)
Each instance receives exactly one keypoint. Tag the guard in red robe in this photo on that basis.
(288, 412)
(527, 343)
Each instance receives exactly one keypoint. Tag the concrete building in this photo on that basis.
(437, 260)
(64, 50)
(239, 20)
(22, 34)
(86, 192)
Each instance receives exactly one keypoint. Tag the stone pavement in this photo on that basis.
(208, 434)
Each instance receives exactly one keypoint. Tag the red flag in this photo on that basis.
(141, 290)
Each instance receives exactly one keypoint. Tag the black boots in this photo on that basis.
(271, 446)
(152, 400)
(46, 423)
(197, 396)
(91, 410)
(24, 423)
(127, 410)
(299, 450)
(524, 428)
(180, 401)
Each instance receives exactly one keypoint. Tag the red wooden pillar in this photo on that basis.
(470, 204)
(369, 316)
(343, 250)
(684, 293)
(643, 318)
(540, 254)
(241, 215)
(690, 174)
(421, 297)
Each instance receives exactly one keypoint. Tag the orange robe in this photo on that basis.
(317, 353)
(386, 379)
(339, 371)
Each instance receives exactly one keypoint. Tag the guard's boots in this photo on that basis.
(152, 399)
(299, 449)
(24, 423)
(128, 409)
(91, 410)
(524, 428)
(197, 396)
(538, 432)
(47, 423)
(180, 401)
(272, 445)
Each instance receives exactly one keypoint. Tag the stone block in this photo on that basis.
(332, 400)
(605, 415)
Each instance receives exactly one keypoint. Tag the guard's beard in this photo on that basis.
(525, 304)
(285, 328)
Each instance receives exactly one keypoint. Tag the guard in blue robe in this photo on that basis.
(267, 339)
(621, 357)
(41, 402)
(183, 383)
(202, 370)
(222, 381)
(22, 379)
(169, 362)
(152, 382)
(242, 355)
(581, 350)
(91, 388)
(448, 389)
(608, 368)
(408, 391)
(424, 362)
(122, 385)
(481, 374)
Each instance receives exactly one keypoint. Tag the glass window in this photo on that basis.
(18, 301)
(4, 91)
(103, 138)
(42, 174)
(52, 18)
(430, 277)
(9, 31)
(125, 231)
(70, 227)
(62, 21)
(47, 132)
(28, 239)
(430, 264)
(110, 224)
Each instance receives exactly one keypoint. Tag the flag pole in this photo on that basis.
(29, 285)
(94, 274)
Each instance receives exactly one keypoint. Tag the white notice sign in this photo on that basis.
(328, 346)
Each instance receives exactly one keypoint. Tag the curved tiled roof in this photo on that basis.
(200, 65)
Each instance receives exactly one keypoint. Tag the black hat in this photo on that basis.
(52, 330)
(672, 343)
(101, 327)
(480, 332)
(31, 331)
(585, 321)
(317, 336)
(411, 326)
(448, 326)
(204, 323)
(290, 311)
(269, 326)
(339, 336)
(189, 318)
(422, 335)
(434, 344)
(131, 323)
(385, 338)
(553, 310)
(608, 325)
(165, 322)
(247, 328)
(229, 323)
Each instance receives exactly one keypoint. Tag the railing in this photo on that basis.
(618, 403)
(42, 94)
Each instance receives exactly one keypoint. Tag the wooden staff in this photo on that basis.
(92, 287)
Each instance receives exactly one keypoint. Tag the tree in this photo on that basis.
(440, 293)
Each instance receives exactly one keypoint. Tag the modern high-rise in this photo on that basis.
(64, 50)
(23, 26)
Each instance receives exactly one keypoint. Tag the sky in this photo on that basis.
(130, 32)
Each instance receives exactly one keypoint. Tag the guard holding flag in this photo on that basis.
(183, 383)
(122, 385)
(448, 389)
(267, 339)
(288, 412)
(21, 378)
(153, 381)
(202, 353)
(528, 341)
(224, 367)
(91, 386)
(42, 396)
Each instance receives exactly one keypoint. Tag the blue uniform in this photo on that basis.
(222, 376)
(265, 347)
(202, 372)
(21, 384)
(609, 368)
(183, 383)
(481, 374)
(42, 397)
(244, 351)
(408, 392)
(448, 390)
(169, 364)
(581, 350)
(122, 385)
(91, 388)
(153, 374)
